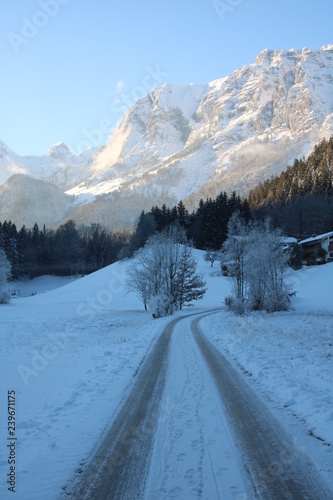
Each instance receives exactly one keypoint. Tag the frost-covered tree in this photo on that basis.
(5, 271)
(256, 259)
(138, 278)
(164, 272)
(211, 256)
(266, 273)
(235, 255)
(189, 284)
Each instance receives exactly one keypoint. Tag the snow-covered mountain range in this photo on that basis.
(190, 141)
(58, 165)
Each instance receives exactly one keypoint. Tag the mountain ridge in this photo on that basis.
(58, 165)
(249, 103)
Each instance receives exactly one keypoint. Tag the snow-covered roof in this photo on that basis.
(316, 238)
(288, 240)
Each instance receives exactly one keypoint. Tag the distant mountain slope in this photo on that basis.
(192, 141)
(311, 176)
(25, 200)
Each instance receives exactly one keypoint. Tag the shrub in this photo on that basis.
(160, 305)
(235, 305)
(278, 302)
(5, 297)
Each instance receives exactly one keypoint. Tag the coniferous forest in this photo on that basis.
(300, 199)
(207, 227)
(69, 250)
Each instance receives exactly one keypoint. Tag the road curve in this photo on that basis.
(277, 469)
(120, 464)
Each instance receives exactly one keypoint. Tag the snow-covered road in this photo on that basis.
(193, 428)
(120, 465)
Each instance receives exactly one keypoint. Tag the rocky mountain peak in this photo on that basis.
(59, 150)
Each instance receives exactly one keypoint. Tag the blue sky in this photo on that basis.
(71, 67)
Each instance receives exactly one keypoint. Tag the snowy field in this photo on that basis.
(71, 355)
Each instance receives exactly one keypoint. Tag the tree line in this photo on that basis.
(206, 227)
(72, 249)
(68, 250)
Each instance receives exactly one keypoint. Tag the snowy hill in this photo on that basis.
(76, 350)
(192, 141)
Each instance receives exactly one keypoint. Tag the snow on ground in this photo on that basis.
(41, 284)
(71, 355)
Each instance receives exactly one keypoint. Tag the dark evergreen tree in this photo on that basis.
(146, 227)
(69, 250)
(9, 243)
(182, 214)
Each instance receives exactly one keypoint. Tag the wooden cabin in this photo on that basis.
(318, 249)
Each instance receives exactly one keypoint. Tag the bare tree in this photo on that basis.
(138, 282)
(266, 275)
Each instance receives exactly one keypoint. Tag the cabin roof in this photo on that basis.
(316, 238)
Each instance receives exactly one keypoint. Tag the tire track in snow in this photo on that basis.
(194, 455)
(118, 467)
(276, 467)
